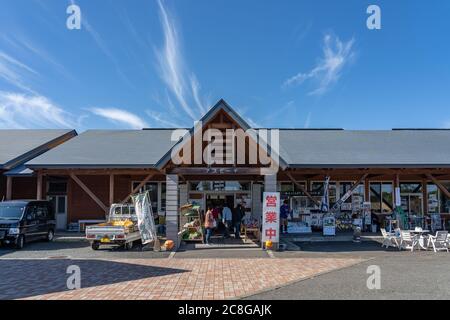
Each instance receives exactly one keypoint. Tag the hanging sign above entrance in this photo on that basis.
(271, 217)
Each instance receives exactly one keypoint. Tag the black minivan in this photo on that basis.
(26, 220)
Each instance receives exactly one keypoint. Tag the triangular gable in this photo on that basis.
(220, 106)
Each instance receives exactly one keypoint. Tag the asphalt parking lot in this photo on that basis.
(404, 275)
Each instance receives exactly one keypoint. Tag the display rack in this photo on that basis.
(191, 223)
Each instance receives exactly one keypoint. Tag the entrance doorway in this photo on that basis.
(219, 200)
(60, 206)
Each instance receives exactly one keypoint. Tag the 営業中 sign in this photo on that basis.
(271, 216)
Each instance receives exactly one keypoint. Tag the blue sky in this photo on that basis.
(280, 63)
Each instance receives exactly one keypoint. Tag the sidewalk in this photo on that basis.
(158, 279)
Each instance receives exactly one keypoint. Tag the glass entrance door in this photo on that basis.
(60, 207)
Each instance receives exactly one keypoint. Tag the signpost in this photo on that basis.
(271, 217)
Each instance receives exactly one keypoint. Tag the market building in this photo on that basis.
(18, 147)
(101, 167)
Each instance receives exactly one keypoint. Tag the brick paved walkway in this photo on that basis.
(157, 278)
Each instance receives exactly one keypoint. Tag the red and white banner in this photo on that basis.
(271, 217)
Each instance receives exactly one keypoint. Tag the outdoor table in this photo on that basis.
(420, 233)
(248, 230)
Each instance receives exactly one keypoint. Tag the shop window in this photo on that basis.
(433, 198)
(152, 187)
(286, 187)
(410, 187)
(57, 188)
(357, 197)
(317, 190)
(444, 201)
(381, 197)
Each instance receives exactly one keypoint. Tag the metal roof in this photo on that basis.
(108, 149)
(327, 148)
(19, 146)
(366, 148)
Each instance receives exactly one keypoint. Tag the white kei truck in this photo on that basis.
(120, 230)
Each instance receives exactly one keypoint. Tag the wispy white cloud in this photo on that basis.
(253, 123)
(308, 120)
(23, 45)
(336, 55)
(14, 72)
(19, 111)
(173, 71)
(162, 119)
(120, 116)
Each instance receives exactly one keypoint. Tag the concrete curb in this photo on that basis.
(70, 239)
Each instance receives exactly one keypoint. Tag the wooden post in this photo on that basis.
(111, 189)
(366, 190)
(39, 186)
(425, 196)
(8, 188)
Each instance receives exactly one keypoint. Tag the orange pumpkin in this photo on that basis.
(269, 244)
(169, 244)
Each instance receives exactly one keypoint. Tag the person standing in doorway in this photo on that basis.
(209, 225)
(238, 214)
(227, 219)
(284, 214)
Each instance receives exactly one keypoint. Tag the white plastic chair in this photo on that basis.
(407, 240)
(389, 239)
(439, 242)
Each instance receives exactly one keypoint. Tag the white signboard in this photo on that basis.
(329, 225)
(398, 201)
(271, 216)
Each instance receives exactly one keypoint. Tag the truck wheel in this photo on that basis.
(95, 245)
(20, 242)
(50, 236)
(129, 245)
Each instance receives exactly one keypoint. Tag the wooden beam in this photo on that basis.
(39, 186)
(440, 185)
(89, 192)
(140, 185)
(303, 189)
(9, 188)
(111, 189)
(425, 196)
(366, 190)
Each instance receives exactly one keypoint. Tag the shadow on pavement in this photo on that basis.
(43, 246)
(27, 278)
